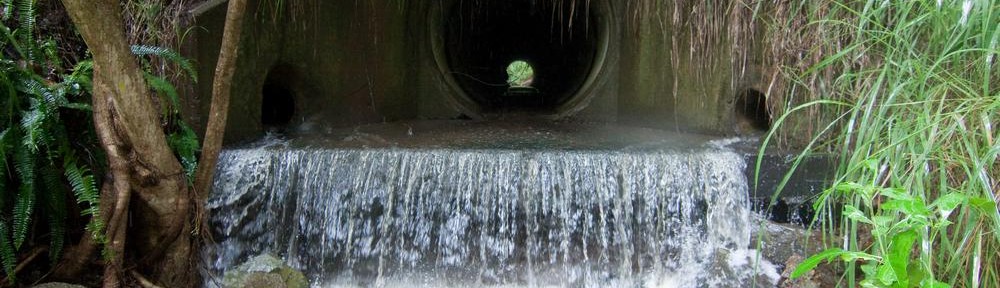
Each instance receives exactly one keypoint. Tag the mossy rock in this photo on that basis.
(264, 271)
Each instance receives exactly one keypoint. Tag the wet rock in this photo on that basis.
(790, 244)
(779, 242)
(743, 268)
(264, 271)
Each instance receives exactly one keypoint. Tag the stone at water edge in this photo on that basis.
(780, 242)
(264, 271)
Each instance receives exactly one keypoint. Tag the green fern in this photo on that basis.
(8, 6)
(38, 163)
(79, 81)
(3, 167)
(24, 165)
(26, 15)
(7, 256)
(55, 209)
(185, 143)
(165, 89)
(171, 55)
(182, 140)
(85, 189)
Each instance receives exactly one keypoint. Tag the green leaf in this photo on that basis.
(870, 269)
(913, 207)
(55, 209)
(23, 210)
(85, 189)
(853, 213)
(885, 275)
(185, 143)
(949, 202)
(171, 55)
(871, 164)
(25, 205)
(810, 263)
(7, 256)
(899, 256)
(848, 187)
(895, 193)
(166, 89)
(931, 283)
(984, 205)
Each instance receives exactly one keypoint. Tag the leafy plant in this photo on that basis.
(180, 136)
(37, 143)
(914, 200)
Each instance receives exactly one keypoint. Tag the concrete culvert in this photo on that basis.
(277, 99)
(564, 44)
(751, 111)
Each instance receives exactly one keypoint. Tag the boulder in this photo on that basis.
(264, 271)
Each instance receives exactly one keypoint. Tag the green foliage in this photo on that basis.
(520, 74)
(171, 55)
(915, 84)
(36, 140)
(37, 143)
(180, 136)
(185, 143)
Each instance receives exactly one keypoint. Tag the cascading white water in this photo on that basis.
(473, 217)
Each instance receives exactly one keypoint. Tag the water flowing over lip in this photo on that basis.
(511, 207)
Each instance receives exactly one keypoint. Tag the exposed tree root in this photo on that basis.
(145, 283)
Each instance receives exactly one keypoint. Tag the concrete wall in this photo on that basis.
(361, 62)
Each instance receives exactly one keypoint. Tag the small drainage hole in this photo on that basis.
(751, 111)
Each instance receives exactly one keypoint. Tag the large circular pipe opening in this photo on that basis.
(564, 44)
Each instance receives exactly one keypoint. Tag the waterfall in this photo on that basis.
(494, 217)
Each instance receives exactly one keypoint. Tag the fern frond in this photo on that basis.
(7, 256)
(3, 168)
(11, 40)
(4, 140)
(7, 137)
(85, 189)
(185, 143)
(31, 123)
(24, 164)
(55, 208)
(8, 6)
(164, 88)
(80, 81)
(26, 14)
(51, 52)
(50, 99)
(171, 55)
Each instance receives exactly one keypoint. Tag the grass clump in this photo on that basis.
(913, 86)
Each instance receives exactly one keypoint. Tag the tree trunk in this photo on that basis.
(221, 88)
(141, 161)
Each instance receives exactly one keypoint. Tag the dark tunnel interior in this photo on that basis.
(278, 99)
(483, 37)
